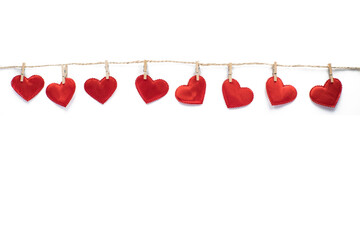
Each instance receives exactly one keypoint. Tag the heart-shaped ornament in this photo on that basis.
(193, 92)
(61, 93)
(151, 90)
(327, 95)
(29, 87)
(279, 93)
(101, 90)
(236, 96)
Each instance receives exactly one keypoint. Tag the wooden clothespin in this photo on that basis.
(64, 69)
(197, 71)
(230, 72)
(331, 73)
(145, 69)
(275, 71)
(107, 72)
(22, 72)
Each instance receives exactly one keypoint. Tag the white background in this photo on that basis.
(127, 170)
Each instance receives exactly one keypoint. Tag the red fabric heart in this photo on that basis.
(279, 93)
(29, 88)
(101, 90)
(151, 90)
(193, 92)
(236, 96)
(61, 93)
(327, 95)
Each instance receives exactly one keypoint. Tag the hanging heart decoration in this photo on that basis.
(236, 96)
(61, 93)
(193, 92)
(279, 93)
(327, 95)
(29, 87)
(151, 90)
(100, 90)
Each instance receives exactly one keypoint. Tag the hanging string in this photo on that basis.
(185, 62)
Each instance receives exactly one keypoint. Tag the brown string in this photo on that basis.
(185, 62)
(145, 68)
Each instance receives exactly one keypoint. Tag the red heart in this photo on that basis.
(193, 92)
(327, 95)
(151, 90)
(236, 96)
(29, 88)
(279, 93)
(101, 90)
(61, 93)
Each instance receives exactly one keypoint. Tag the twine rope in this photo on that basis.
(185, 62)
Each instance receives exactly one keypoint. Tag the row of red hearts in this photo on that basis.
(192, 93)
